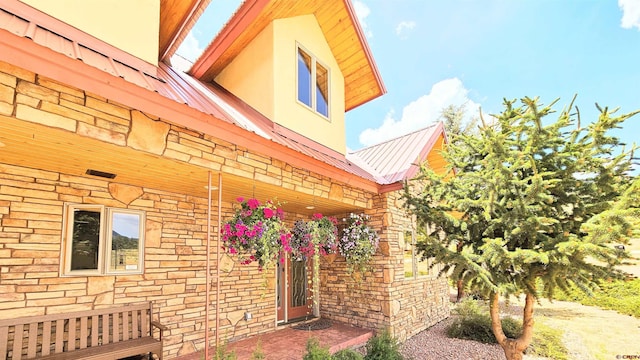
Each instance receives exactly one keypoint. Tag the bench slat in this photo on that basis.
(46, 338)
(71, 340)
(17, 342)
(33, 340)
(134, 324)
(145, 323)
(4, 338)
(59, 336)
(125, 326)
(116, 327)
(83, 332)
(105, 329)
(95, 332)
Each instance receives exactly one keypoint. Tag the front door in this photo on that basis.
(294, 289)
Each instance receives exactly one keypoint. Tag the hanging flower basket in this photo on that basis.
(256, 233)
(358, 243)
(319, 233)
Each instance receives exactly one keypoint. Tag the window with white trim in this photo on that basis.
(102, 240)
(313, 83)
(414, 265)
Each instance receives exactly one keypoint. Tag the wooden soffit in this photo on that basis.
(338, 22)
(177, 18)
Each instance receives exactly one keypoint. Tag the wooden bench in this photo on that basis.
(111, 333)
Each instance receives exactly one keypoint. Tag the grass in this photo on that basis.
(620, 295)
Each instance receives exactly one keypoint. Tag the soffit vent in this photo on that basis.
(101, 174)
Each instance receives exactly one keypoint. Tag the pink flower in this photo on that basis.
(233, 251)
(240, 199)
(268, 213)
(253, 203)
(317, 216)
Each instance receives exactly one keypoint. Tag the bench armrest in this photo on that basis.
(160, 327)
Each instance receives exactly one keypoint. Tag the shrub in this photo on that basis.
(478, 327)
(474, 323)
(315, 351)
(223, 354)
(620, 295)
(347, 354)
(383, 346)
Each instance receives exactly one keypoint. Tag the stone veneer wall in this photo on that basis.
(31, 215)
(384, 298)
(31, 211)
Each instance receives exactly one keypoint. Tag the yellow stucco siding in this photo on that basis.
(264, 76)
(250, 76)
(305, 31)
(132, 26)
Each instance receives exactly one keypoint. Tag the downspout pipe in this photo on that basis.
(218, 245)
(208, 274)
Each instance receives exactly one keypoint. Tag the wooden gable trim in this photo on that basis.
(367, 52)
(186, 24)
(46, 62)
(244, 17)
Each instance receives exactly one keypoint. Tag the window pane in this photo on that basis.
(322, 90)
(409, 259)
(125, 242)
(85, 240)
(304, 77)
(423, 266)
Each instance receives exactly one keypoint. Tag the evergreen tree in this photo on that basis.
(527, 198)
(453, 119)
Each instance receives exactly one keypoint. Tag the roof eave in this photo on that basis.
(367, 51)
(187, 23)
(244, 16)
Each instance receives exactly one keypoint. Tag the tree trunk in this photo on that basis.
(460, 283)
(460, 286)
(513, 348)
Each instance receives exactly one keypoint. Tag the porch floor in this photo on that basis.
(290, 343)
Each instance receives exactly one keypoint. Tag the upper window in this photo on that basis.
(102, 240)
(313, 83)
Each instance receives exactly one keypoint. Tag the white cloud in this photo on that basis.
(404, 27)
(421, 112)
(362, 11)
(630, 13)
(190, 48)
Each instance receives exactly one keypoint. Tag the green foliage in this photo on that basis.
(473, 323)
(315, 351)
(477, 327)
(621, 296)
(257, 353)
(383, 346)
(223, 354)
(347, 354)
(524, 199)
(547, 342)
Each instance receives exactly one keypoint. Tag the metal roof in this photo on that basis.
(397, 159)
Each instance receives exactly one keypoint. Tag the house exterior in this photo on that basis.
(98, 131)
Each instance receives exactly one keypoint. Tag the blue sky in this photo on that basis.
(435, 53)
